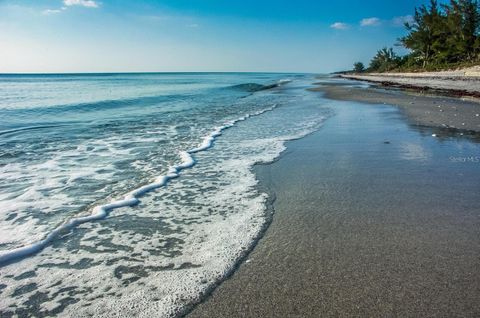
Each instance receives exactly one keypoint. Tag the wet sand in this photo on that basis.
(374, 217)
(423, 110)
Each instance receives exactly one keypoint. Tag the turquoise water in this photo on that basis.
(127, 193)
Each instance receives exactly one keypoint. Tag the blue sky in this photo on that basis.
(196, 35)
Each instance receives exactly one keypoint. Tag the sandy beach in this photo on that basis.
(463, 82)
(447, 113)
(223, 159)
(373, 217)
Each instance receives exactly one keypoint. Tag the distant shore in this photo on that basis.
(458, 83)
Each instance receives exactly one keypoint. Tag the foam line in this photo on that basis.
(130, 199)
(284, 81)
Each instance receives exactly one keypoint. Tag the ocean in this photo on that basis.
(133, 194)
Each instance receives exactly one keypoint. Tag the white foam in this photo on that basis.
(284, 81)
(130, 199)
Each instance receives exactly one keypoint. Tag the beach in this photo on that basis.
(375, 215)
(459, 83)
(235, 195)
(211, 159)
(443, 112)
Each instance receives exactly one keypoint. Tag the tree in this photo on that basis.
(455, 47)
(441, 35)
(463, 21)
(358, 67)
(426, 33)
(384, 60)
(470, 26)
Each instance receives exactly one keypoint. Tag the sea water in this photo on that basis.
(133, 194)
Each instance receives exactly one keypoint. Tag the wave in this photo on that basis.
(250, 87)
(97, 105)
(130, 199)
(255, 87)
(28, 128)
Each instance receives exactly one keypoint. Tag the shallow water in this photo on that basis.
(70, 143)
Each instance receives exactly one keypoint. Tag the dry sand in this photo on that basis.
(465, 82)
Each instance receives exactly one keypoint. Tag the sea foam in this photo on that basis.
(132, 198)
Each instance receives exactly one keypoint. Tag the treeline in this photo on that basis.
(439, 37)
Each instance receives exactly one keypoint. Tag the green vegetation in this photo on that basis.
(358, 67)
(439, 37)
(385, 60)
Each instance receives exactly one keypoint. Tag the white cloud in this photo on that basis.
(51, 11)
(339, 26)
(400, 21)
(193, 25)
(370, 22)
(83, 3)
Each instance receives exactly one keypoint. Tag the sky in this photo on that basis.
(69, 36)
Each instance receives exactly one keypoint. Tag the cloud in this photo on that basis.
(51, 11)
(69, 3)
(83, 3)
(339, 26)
(400, 21)
(370, 22)
(193, 25)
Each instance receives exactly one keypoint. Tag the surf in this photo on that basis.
(130, 199)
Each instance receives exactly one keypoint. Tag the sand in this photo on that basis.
(373, 217)
(465, 82)
(422, 109)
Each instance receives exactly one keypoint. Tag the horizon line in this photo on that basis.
(156, 72)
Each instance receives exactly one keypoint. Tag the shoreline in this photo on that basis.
(461, 83)
(451, 115)
(359, 224)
